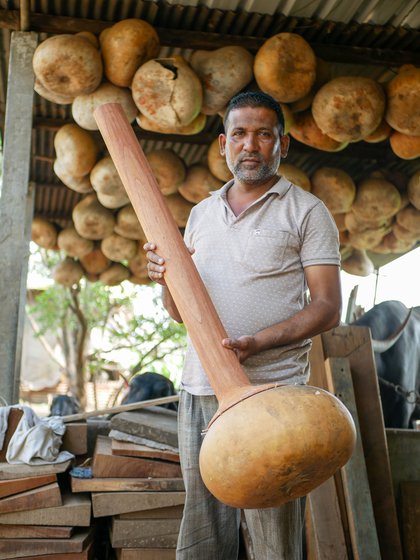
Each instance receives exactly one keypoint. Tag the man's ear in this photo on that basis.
(222, 144)
(284, 145)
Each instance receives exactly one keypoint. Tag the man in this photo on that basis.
(258, 242)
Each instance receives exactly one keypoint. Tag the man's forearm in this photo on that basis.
(170, 306)
(315, 318)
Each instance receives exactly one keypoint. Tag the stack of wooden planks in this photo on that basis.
(137, 483)
(38, 518)
(353, 515)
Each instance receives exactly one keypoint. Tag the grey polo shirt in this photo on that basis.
(253, 268)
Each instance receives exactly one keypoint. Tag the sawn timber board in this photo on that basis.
(126, 484)
(21, 548)
(144, 533)
(135, 450)
(8, 471)
(17, 485)
(364, 538)
(75, 512)
(155, 423)
(35, 532)
(355, 344)
(105, 504)
(43, 497)
(146, 553)
(105, 464)
(86, 554)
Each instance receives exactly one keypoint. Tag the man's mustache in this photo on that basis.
(255, 155)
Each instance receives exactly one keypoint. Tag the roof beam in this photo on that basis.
(202, 138)
(380, 152)
(181, 38)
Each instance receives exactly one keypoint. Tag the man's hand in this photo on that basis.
(156, 265)
(244, 347)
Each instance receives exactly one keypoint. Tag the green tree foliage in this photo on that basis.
(99, 327)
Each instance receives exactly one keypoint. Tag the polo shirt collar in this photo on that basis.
(280, 188)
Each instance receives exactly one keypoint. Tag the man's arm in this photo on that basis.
(156, 270)
(169, 305)
(321, 314)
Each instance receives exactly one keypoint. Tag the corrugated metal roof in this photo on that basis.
(374, 24)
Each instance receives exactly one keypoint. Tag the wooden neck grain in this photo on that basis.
(184, 282)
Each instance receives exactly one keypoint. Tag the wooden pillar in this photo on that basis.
(16, 209)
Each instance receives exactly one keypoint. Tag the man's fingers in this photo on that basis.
(230, 343)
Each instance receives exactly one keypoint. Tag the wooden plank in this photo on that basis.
(88, 553)
(34, 532)
(112, 504)
(14, 486)
(16, 210)
(128, 449)
(363, 533)
(410, 517)
(129, 438)
(21, 548)
(121, 407)
(124, 484)
(156, 423)
(355, 344)
(404, 456)
(333, 494)
(9, 472)
(246, 538)
(105, 464)
(43, 497)
(75, 512)
(146, 553)
(326, 523)
(15, 414)
(171, 512)
(75, 439)
(144, 533)
(191, 39)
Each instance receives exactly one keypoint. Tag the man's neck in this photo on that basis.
(241, 195)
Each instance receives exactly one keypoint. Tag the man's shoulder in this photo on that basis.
(304, 196)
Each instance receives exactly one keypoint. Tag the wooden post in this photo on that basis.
(363, 533)
(355, 344)
(16, 207)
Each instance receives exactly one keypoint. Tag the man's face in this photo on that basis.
(252, 144)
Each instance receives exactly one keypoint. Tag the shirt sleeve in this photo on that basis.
(320, 241)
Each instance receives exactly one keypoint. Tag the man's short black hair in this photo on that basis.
(255, 99)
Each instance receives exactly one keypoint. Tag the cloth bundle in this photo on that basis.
(36, 441)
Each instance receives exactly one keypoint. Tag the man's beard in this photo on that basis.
(255, 176)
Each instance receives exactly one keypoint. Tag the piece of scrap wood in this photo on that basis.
(112, 504)
(16, 485)
(15, 414)
(35, 532)
(105, 464)
(9, 471)
(43, 497)
(75, 512)
(126, 484)
(135, 450)
(158, 533)
(21, 548)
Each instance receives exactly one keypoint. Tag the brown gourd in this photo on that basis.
(285, 67)
(167, 91)
(349, 108)
(125, 47)
(68, 65)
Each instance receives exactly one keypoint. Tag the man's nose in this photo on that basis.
(250, 142)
